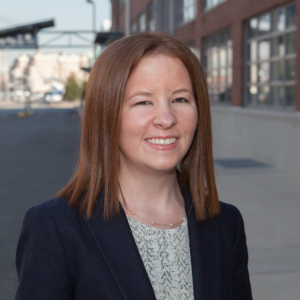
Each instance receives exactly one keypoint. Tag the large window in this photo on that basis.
(218, 65)
(134, 27)
(121, 2)
(187, 11)
(271, 58)
(142, 22)
(150, 17)
(209, 4)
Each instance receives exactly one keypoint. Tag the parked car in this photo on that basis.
(55, 96)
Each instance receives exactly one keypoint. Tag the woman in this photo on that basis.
(129, 225)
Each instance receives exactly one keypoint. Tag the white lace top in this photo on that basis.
(166, 257)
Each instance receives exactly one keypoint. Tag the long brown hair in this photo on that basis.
(98, 164)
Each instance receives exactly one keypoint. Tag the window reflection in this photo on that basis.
(264, 49)
(278, 45)
(291, 69)
(252, 94)
(253, 27)
(217, 62)
(271, 57)
(263, 94)
(291, 15)
(277, 98)
(278, 70)
(290, 96)
(150, 17)
(253, 73)
(264, 72)
(291, 42)
(223, 58)
(253, 50)
(264, 24)
(187, 10)
(209, 4)
(280, 19)
(142, 22)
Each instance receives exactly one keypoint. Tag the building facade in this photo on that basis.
(41, 72)
(249, 52)
(261, 35)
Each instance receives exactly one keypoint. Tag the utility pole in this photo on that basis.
(127, 17)
(94, 25)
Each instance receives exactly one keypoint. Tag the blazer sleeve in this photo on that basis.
(41, 262)
(242, 281)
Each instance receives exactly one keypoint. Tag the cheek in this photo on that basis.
(133, 126)
(189, 121)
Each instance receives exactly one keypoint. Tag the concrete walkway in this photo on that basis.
(36, 158)
(269, 200)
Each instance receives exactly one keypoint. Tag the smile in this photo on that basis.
(168, 141)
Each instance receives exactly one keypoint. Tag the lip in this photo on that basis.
(163, 147)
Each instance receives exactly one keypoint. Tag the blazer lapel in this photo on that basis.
(117, 246)
(205, 254)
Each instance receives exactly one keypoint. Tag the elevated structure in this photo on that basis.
(105, 38)
(22, 36)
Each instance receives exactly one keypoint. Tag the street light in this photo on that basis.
(94, 13)
(94, 24)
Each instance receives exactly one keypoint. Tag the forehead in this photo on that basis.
(159, 70)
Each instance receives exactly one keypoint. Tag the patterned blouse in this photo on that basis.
(166, 257)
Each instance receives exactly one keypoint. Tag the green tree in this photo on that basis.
(82, 89)
(73, 90)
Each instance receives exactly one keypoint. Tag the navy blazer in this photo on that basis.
(63, 256)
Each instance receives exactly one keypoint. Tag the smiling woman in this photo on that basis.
(132, 224)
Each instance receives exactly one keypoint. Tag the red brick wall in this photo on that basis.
(231, 13)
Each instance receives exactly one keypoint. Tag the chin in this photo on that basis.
(162, 168)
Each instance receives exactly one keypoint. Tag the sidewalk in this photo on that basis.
(37, 157)
(269, 200)
(7, 105)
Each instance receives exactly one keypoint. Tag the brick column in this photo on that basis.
(197, 33)
(297, 99)
(237, 62)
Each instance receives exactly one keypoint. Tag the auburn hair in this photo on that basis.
(98, 163)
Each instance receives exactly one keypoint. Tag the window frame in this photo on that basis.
(206, 9)
(221, 40)
(272, 83)
(180, 11)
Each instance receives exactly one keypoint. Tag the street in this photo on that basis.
(36, 159)
(37, 156)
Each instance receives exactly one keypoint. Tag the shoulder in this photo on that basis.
(54, 210)
(229, 211)
(230, 220)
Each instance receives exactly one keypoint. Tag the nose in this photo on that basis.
(164, 117)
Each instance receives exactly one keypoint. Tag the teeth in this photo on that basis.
(162, 141)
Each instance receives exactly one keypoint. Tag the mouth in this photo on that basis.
(164, 142)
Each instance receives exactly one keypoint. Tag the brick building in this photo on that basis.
(249, 51)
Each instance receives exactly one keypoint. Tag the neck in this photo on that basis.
(153, 195)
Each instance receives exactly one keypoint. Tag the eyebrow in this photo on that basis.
(147, 94)
(181, 91)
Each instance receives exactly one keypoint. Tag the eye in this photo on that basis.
(179, 100)
(143, 103)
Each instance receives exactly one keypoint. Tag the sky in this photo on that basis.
(68, 15)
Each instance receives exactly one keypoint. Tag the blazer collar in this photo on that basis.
(117, 246)
(205, 249)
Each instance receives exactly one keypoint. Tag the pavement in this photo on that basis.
(37, 157)
(269, 200)
(36, 161)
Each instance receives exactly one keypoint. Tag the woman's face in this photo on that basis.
(159, 115)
